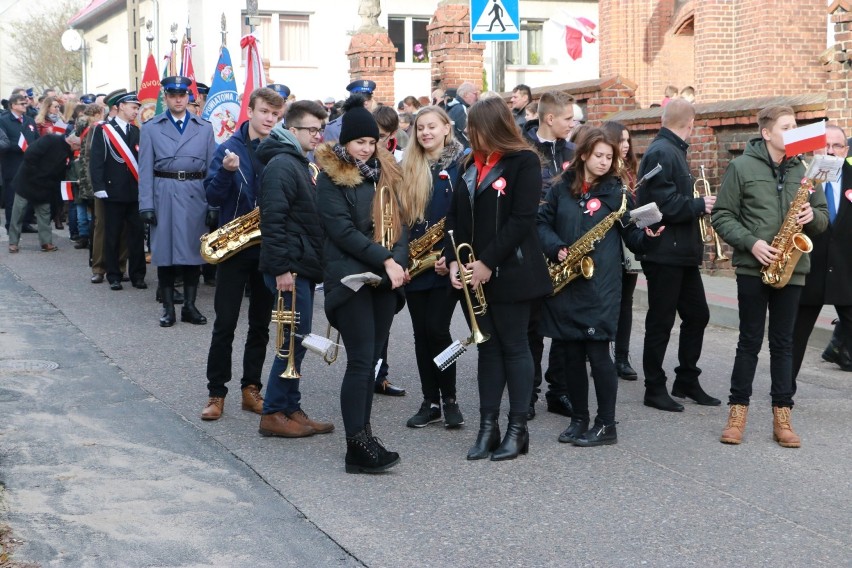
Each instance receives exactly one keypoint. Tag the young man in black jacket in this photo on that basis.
(672, 269)
(233, 186)
(291, 254)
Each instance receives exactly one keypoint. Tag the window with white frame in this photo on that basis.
(408, 34)
(283, 37)
(528, 50)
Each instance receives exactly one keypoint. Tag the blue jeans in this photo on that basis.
(282, 395)
(84, 219)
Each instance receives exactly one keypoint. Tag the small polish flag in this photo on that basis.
(22, 143)
(66, 188)
(804, 139)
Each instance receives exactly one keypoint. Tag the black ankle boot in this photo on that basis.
(363, 455)
(598, 435)
(516, 441)
(574, 430)
(694, 392)
(167, 318)
(657, 397)
(384, 453)
(189, 312)
(488, 438)
(624, 370)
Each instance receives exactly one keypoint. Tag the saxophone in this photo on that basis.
(421, 254)
(578, 262)
(232, 237)
(790, 240)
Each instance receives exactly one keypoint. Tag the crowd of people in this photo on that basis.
(462, 198)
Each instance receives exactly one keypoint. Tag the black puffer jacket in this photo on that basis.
(289, 222)
(585, 309)
(672, 190)
(346, 199)
(555, 156)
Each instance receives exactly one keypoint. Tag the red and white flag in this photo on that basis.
(255, 77)
(66, 188)
(22, 143)
(804, 139)
(577, 30)
(187, 70)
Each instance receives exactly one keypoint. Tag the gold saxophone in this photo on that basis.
(578, 262)
(790, 240)
(421, 253)
(237, 235)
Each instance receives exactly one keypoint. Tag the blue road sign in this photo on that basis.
(494, 20)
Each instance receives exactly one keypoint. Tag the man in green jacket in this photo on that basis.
(752, 204)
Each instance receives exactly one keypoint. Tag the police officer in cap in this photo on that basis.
(175, 148)
(363, 87)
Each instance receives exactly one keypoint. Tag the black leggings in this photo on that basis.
(505, 359)
(167, 274)
(431, 313)
(603, 372)
(625, 316)
(364, 323)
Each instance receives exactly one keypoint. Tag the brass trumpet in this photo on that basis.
(282, 317)
(481, 306)
(386, 205)
(708, 235)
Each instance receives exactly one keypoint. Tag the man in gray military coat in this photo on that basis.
(175, 148)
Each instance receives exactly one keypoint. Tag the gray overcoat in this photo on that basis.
(180, 206)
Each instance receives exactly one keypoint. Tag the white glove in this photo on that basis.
(101, 194)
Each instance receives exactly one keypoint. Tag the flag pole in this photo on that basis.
(173, 40)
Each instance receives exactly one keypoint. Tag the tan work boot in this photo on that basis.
(319, 427)
(735, 428)
(252, 399)
(782, 430)
(215, 407)
(277, 424)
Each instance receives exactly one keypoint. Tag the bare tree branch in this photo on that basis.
(39, 55)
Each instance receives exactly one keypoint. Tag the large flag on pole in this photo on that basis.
(149, 90)
(255, 78)
(222, 107)
(186, 68)
(161, 104)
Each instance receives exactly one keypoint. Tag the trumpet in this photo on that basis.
(708, 235)
(449, 355)
(386, 205)
(284, 318)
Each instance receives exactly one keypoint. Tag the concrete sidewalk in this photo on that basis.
(105, 461)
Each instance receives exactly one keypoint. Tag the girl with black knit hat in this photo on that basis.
(354, 172)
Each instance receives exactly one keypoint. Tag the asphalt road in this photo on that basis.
(105, 461)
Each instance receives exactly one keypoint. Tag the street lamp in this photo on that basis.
(73, 41)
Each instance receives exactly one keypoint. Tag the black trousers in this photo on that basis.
(117, 215)
(805, 321)
(625, 316)
(754, 297)
(673, 290)
(231, 278)
(189, 272)
(555, 373)
(364, 323)
(431, 313)
(505, 359)
(603, 373)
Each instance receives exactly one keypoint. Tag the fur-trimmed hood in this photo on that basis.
(343, 173)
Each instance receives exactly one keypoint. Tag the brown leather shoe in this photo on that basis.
(319, 427)
(277, 424)
(252, 399)
(215, 407)
(734, 430)
(782, 430)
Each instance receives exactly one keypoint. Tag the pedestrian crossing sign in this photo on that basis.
(494, 20)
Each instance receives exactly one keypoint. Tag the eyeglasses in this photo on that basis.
(835, 146)
(312, 130)
(384, 137)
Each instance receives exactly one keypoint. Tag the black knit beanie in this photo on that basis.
(358, 122)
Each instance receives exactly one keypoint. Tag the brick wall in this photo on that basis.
(838, 64)
(373, 56)
(454, 57)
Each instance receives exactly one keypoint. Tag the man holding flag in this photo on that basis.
(750, 210)
(114, 172)
(21, 132)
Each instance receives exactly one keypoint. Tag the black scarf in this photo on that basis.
(368, 171)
